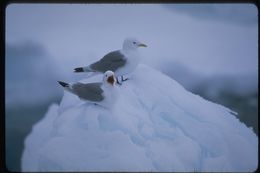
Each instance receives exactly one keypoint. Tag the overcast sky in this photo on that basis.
(208, 38)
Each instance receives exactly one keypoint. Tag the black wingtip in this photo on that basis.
(63, 84)
(79, 69)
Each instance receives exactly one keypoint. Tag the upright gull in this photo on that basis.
(103, 94)
(121, 62)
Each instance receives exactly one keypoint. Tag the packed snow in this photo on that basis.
(156, 125)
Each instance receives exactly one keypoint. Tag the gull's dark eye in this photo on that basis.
(134, 42)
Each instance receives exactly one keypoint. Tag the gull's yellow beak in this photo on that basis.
(141, 45)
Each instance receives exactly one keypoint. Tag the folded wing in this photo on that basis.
(90, 91)
(112, 61)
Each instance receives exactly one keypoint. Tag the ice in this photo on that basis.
(156, 125)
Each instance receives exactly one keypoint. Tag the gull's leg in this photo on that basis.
(121, 80)
(117, 80)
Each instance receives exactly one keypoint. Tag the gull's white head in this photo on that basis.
(109, 78)
(132, 44)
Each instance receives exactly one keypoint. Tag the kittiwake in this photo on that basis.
(121, 62)
(99, 93)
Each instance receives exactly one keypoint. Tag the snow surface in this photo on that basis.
(156, 125)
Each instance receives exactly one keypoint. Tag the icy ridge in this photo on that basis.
(156, 125)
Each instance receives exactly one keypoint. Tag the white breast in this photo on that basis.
(133, 59)
(110, 96)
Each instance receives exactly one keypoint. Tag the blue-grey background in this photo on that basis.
(211, 49)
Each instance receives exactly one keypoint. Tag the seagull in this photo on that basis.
(121, 62)
(103, 94)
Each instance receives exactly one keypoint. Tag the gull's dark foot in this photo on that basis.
(122, 79)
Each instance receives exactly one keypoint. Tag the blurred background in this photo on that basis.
(211, 49)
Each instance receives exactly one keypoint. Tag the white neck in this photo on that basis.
(130, 51)
(108, 85)
(127, 48)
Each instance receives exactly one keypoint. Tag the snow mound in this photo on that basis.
(156, 125)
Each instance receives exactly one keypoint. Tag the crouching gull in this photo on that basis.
(122, 62)
(103, 94)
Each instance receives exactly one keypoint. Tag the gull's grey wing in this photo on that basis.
(111, 61)
(89, 91)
